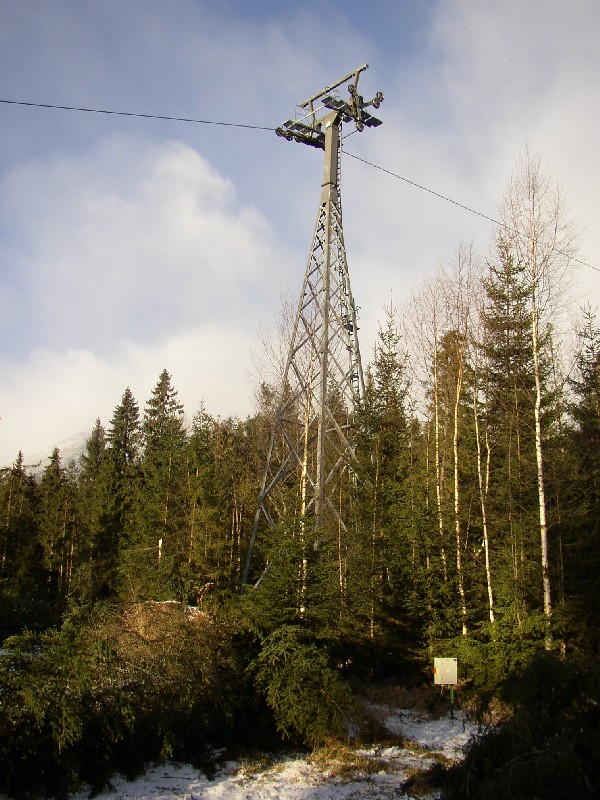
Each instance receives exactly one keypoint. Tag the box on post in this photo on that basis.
(445, 671)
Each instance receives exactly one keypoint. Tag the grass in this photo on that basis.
(257, 764)
(338, 760)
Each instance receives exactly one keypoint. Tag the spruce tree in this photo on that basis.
(59, 527)
(510, 427)
(385, 587)
(113, 530)
(542, 238)
(583, 527)
(585, 410)
(210, 490)
(225, 461)
(22, 573)
(88, 497)
(161, 504)
(93, 456)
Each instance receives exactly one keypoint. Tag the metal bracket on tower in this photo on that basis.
(308, 128)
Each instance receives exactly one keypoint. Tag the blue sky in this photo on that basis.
(129, 245)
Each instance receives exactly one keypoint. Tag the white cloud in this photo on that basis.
(129, 258)
(131, 240)
(53, 396)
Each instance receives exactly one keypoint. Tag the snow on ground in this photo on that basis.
(447, 736)
(295, 778)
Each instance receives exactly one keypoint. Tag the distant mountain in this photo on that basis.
(70, 450)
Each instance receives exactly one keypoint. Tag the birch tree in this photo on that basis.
(541, 237)
(462, 275)
(426, 324)
(484, 451)
(440, 328)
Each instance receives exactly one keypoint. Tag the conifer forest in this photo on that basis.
(475, 533)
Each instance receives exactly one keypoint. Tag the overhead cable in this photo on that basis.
(454, 203)
(268, 128)
(424, 188)
(133, 114)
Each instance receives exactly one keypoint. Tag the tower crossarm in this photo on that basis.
(309, 129)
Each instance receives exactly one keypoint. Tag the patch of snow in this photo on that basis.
(294, 778)
(447, 735)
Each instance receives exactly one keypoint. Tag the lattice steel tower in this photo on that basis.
(311, 450)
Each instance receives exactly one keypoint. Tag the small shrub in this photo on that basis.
(308, 698)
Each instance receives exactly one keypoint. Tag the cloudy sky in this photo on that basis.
(128, 245)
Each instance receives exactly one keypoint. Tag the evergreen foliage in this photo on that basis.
(548, 747)
(158, 547)
(385, 587)
(582, 528)
(509, 427)
(115, 689)
(23, 590)
(308, 697)
(59, 529)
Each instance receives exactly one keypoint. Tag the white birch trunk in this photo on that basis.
(483, 491)
(539, 457)
(457, 525)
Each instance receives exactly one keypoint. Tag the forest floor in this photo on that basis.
(411, 741)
